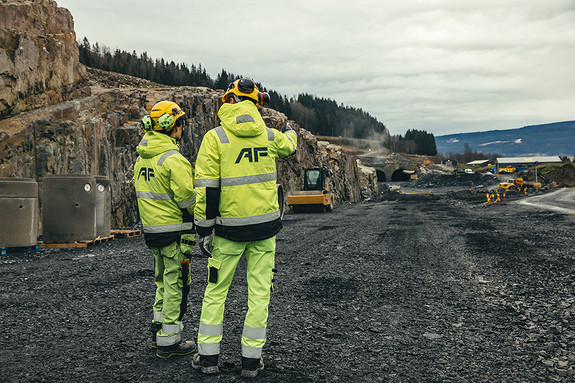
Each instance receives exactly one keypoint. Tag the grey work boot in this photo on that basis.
(208, 364)
(251, 367)
(180, 348)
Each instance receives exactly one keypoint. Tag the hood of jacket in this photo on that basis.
(154, 143)
(242, 119)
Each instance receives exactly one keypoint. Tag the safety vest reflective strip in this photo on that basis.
(245, 180)
(251, 352)
(144, 142)
(165, 156)
(207, 182)
(204, 222)
(271, 134)
(254, 333)
(290, 140)
(169, 228)
(236, 181)
(165, 197)
(222, 135)
(211, 329)
(241, 221)
(244, 118)
(188, 203)
(156, 196)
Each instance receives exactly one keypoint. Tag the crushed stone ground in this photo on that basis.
(420, 288)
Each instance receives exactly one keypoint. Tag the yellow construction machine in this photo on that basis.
(507, 169)
(315, 195)
(519, 184)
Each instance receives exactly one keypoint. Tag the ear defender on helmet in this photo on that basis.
(148, 123)
(246, 89)
(165, 115)
(263, 98)
(165, 121)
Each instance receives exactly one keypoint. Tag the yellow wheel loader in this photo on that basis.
(315, 196)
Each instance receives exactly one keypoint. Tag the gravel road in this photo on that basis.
(421, 288)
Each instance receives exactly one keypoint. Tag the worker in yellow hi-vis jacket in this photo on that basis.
(237, 196)
(164, 184)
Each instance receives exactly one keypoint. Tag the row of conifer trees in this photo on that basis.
(320, 116)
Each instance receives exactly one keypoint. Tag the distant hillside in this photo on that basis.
(555, 139)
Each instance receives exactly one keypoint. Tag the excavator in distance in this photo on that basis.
(315, 196)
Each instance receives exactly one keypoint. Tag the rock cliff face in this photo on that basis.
(38, 55)
(97, 134)
(87, 122)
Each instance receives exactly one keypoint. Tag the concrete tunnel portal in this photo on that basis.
(400, 175)
(380, 174)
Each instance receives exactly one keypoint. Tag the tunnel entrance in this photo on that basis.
(400, 175)
(381, 177)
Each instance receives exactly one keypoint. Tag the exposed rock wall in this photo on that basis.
(97, 135)
(38, 55)
(83, 121)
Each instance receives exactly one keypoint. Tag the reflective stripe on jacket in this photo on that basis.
(164, 183)
(236, 175)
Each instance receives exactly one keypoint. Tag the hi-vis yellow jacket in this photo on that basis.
(164, 183)
(236, 175)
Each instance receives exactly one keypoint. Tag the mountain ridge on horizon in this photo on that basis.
(550, 139)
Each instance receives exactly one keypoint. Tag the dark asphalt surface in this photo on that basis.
(423, 288)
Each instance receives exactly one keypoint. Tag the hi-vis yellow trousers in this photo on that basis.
(260, 257)
(172, 278)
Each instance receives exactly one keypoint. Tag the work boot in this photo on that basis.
(180, 348)
(208, 364)
(251, 366)
(154, 328)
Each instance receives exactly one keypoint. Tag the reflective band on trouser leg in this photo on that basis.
(157, 316)
(172, 298)
(253, 340)
(169, 334)
(260, 256)
(210, 336)
(225, 255)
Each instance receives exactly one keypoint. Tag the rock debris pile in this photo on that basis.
(454, 180)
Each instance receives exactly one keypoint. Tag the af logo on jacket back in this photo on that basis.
(148, 173)
(252, 154)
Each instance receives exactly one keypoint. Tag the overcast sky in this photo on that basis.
(444, 66)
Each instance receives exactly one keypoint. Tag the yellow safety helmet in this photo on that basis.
(163, 117)
(245, 88)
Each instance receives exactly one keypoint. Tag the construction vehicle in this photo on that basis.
(519, 184)
(315, 195)
(507, 169)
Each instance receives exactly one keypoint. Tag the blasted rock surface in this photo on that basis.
(38, 55)
(98, 133)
